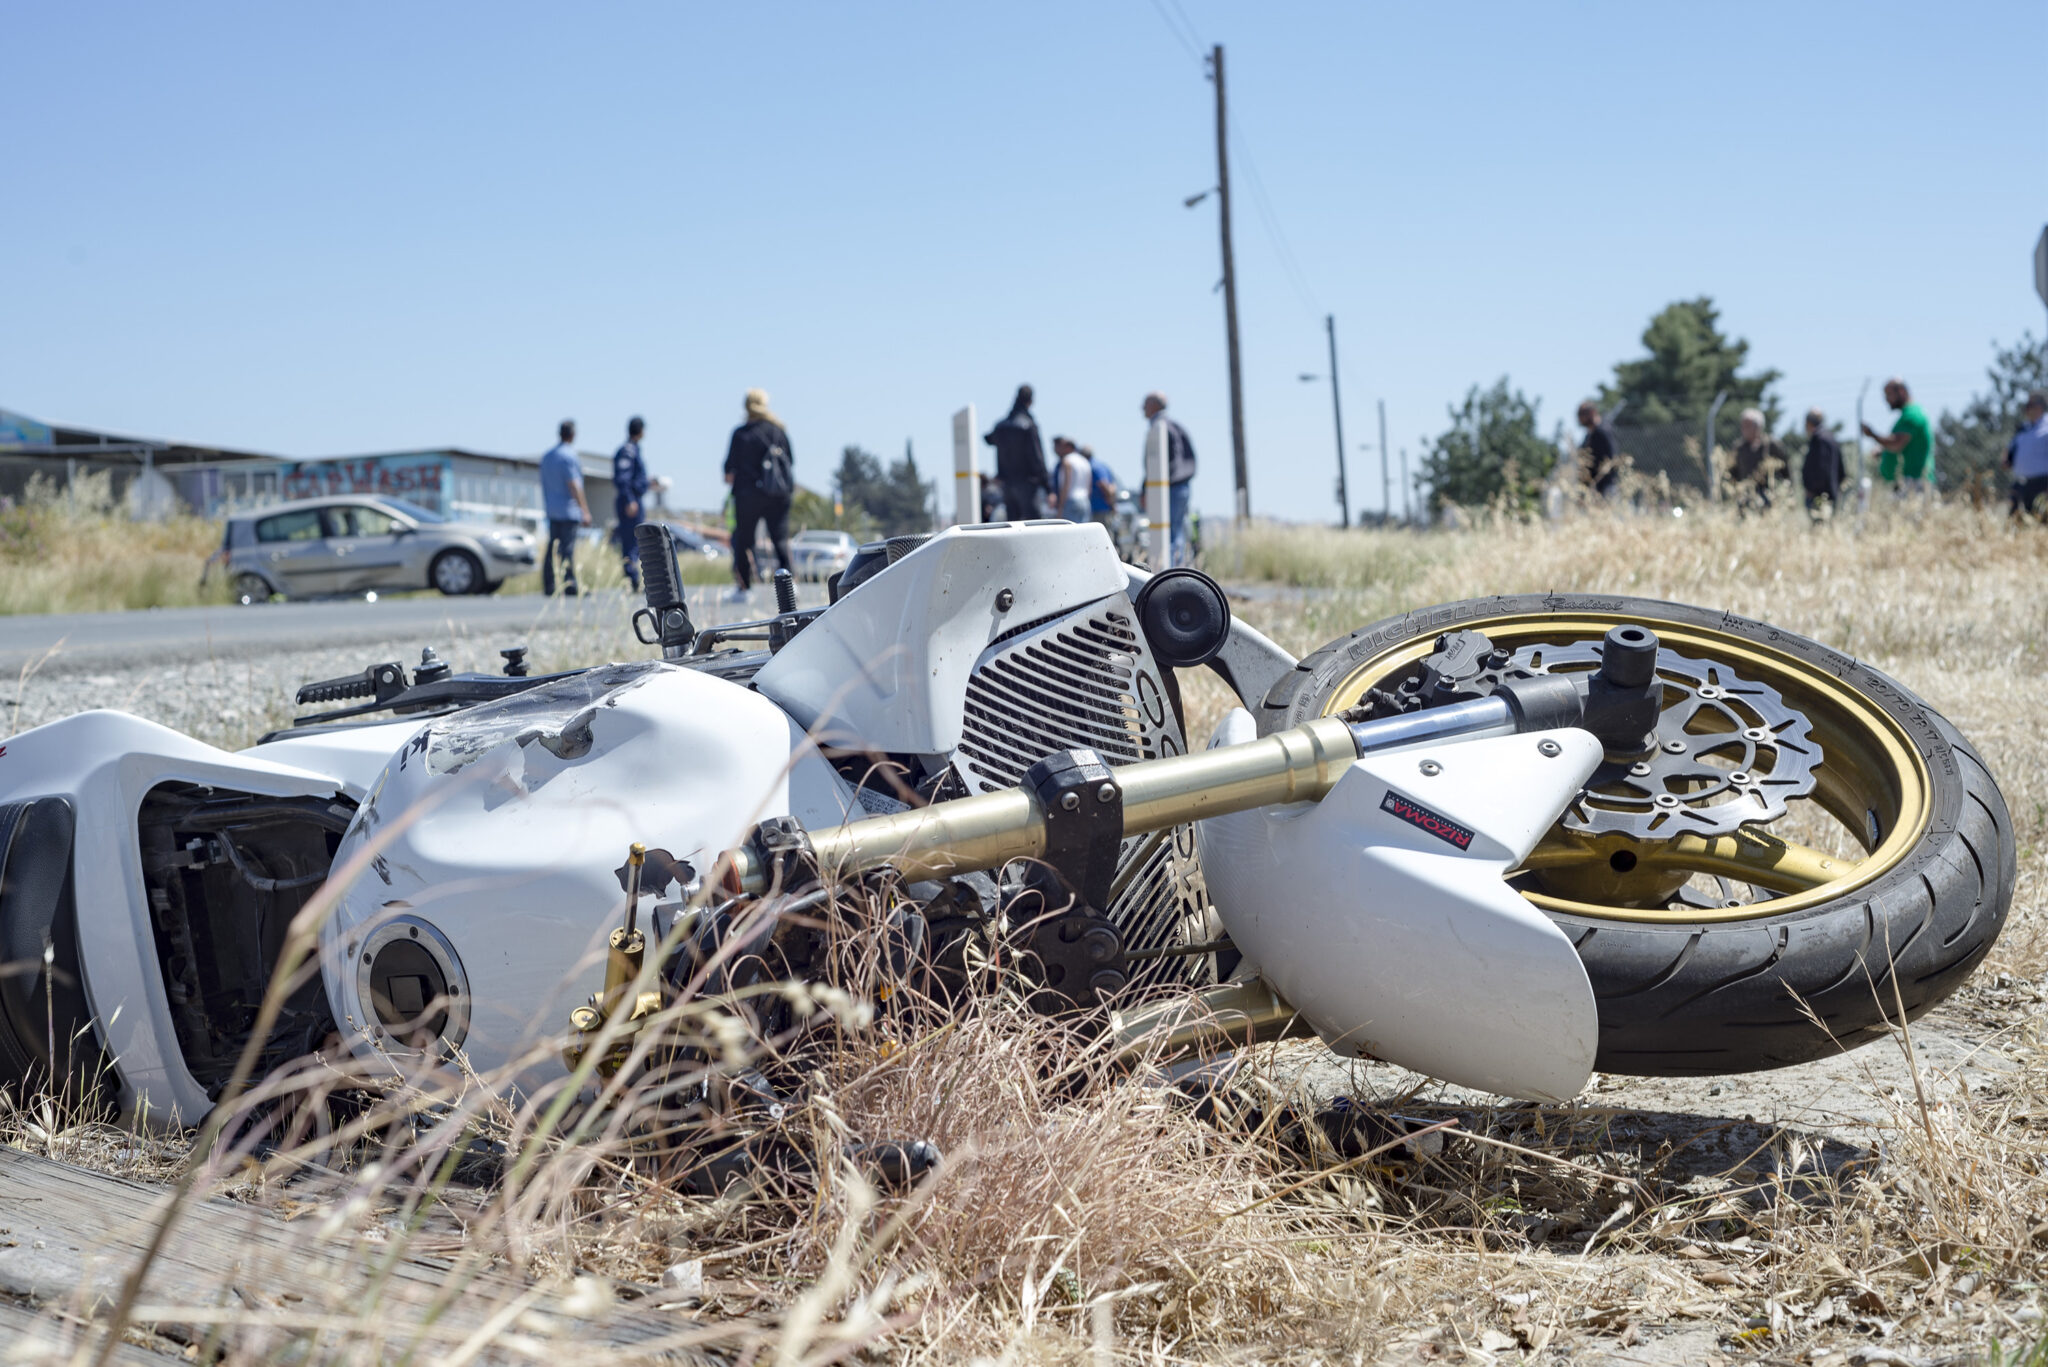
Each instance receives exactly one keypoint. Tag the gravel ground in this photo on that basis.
(231, 695)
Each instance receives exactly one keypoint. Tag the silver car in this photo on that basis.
(347, 545)
(821, 553)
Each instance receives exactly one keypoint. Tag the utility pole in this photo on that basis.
(1244, 502)
(1387, 473)
(1407, 515)
(1337, 410)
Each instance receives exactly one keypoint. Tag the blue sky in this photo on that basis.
(338, 229)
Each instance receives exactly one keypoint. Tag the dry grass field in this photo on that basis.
(77, 551)
(74, 552)
(1086, 1213)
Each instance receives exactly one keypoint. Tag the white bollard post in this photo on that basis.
(966, 478)
(1159, 528)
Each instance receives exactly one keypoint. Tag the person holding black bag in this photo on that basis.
(758, 467)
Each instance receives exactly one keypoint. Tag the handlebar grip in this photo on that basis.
(659, 574)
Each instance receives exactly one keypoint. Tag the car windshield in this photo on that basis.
(414, 511)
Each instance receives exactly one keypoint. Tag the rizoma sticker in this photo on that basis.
(1438, 825)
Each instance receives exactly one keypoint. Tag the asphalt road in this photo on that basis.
(71, 641)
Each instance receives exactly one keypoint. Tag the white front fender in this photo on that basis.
(1381, 912)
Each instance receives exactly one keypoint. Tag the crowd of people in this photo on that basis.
(1760, 462)
(1080, 486)
(759, 471)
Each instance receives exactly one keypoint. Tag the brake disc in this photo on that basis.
(1729, 753)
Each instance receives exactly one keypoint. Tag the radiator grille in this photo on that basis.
(1087, 679)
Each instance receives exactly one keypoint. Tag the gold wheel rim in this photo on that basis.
(1870, 771)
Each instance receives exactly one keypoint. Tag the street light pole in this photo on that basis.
(1337, 411)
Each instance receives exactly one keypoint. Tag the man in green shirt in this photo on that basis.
(1909, 448)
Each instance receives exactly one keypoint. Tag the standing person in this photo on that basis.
(629, 497)
(1020, 460)
(561, 495)
(1821, 472)
(1602, 471)
(758, 467)
(1760, 458)
(1908, 460)
(1102, 490)
(2027, 457)
(1076, 474)
(1180, 474)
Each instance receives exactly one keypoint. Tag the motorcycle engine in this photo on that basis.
(1088, 679)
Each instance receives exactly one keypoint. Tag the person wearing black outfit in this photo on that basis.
(1020, 460)
(1602, 471)
(1821, 471)
(757, 466)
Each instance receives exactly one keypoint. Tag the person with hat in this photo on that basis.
(2026, 456)
(629, 497)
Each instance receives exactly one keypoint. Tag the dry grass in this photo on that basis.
(77, 551)
(1086, 1214)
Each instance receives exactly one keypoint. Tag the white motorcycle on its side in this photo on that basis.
(1502, 841)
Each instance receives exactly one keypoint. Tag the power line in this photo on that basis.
(1271, 221)
(1190, 38)
(1200, 44)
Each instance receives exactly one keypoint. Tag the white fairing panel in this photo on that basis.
(889, 663)
(353, 757)
(1381, 912)
(105, 763)
(528, 807)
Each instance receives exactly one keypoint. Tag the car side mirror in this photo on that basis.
(402, 529)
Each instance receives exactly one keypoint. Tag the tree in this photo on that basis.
(898, 500)
(1690, 361)
(1510, 464)
(1969, 447)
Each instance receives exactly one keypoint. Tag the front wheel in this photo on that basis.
(456, 573)
(1806, 853)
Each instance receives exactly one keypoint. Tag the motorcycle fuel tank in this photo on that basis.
(1382, 915)
(501, 832)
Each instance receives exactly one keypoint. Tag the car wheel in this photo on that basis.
(251, 588)
(456, 573)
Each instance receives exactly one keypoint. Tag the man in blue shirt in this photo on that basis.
(561, 495)
(1102, 488)
(629, 497)
(2027, 456)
